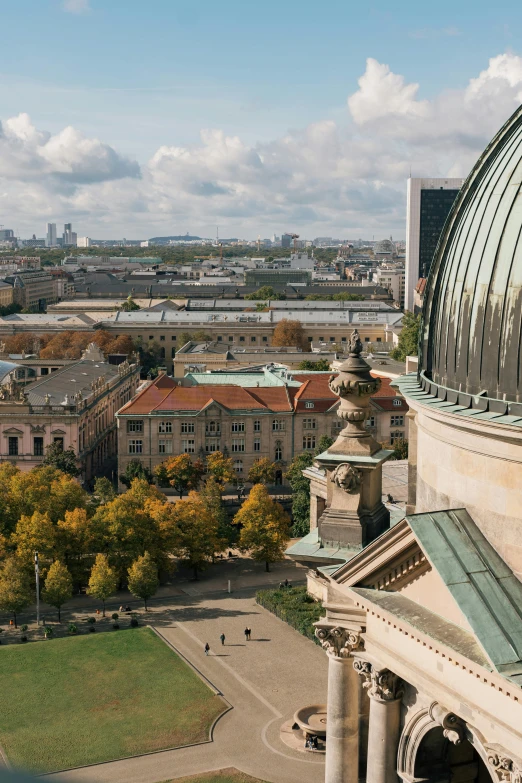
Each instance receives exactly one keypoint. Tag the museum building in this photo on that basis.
(423, 624)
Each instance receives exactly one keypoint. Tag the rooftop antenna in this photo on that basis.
(258, 242)
(217, 234)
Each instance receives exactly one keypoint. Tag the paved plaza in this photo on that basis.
(265, 680)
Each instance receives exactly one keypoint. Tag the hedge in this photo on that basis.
(294, 606)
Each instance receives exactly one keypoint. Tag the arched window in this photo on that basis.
(212, 428)
(278, 450)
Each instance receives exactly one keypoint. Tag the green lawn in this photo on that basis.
(229, 775)
(70, 702)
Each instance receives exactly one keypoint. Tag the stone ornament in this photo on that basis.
(381, 684)
(453, 728)
(504, 767)
(337, 641)
(347, 477)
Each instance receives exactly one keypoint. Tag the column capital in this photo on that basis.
(505, 767)
(381, 684)
(338, 642)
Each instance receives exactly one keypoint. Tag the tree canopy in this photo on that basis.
(408, 344)
(136, 469)
(289, 333)
(262, 471)
(264, 526)
(61, 459)
(15, 591)
(264, 293)
(143, 578)
(319, 365)
(103, 580)
(221, 468)
(180, 472)
(58, 586)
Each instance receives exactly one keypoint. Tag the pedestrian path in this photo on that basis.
(265, 680)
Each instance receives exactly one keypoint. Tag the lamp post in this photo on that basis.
(37, 574)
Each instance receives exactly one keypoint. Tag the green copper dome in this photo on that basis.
(472, 322)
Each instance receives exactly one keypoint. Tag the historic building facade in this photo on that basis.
(423, 615)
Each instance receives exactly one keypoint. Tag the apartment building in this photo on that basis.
(33, 289)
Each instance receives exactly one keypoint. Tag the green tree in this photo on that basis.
(318, 366)
(325, 441)
(221, 468)
(300, 493)
(264, 293)
(136, 469)
(103, 581)
(143, 578)
(400, 449)
(129, 305)
(180, 472)
(184, 338)
(58, 586)
(264, 527)
(408, 338)
(15, 592)
(61, 459)
(201, 336)
(199, 531)
(104, 490)
(262, 471)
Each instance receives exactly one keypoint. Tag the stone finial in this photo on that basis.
(354, 386)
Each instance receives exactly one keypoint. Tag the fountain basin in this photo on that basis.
(312, 719)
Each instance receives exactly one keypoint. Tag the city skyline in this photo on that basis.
(320, 134)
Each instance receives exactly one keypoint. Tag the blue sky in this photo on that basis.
(145, 76)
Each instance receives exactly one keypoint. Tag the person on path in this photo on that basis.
(222, 637)
(249, 634)
(246, 634)
(207, 648)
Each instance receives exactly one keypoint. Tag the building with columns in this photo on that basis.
(423, 611)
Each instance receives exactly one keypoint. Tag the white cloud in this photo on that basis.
(328, 178)
(76, 6)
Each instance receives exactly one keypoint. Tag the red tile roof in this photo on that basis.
(388, 404)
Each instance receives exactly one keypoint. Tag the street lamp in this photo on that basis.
(37, 574)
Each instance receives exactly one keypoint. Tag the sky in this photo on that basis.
(139, 119)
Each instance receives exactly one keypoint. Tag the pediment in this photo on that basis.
(13, 431)
(58, 432)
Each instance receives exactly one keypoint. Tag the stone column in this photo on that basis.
(342, 712)
(384, 690)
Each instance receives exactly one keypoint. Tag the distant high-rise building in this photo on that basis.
(51, 235)
(69, 236)
(6, 234)
(83, 242)
(428, 204)
(286, 240)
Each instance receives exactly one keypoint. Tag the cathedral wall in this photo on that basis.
(476, 465)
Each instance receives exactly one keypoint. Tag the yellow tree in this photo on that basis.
(262, 471)
(180, 472)
(103, 581)
(264, 527)
(199, 532)
(35, 533)
(221, 468)
(15, 591)
(58, 587)
(143, 578)
(74, 539)
(288, 333)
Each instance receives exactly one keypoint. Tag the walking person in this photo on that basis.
(207, 648)
(246, 634)
(249, 633)
(222, 637)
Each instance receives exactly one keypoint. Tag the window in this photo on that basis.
(230, 339)
(257, 426)
(151, 337)
(238, 426)
(211, 446)
(13, 446)
(38, 449)
(162, 338)
(238, 444)
(308, 441)
(332, 339)
(238, 465)
(173, 338)
(173, 352)
(241, 339)
(321, 339)
(309, 424)
(59, 442)
(309, 404)
(252, 339)
(379, 340)
(257, 444)
(395, 436)
(135, 447)
(366, 339)
(397, 421)
(220, 338)
(188, 446)
(213, 428)
(370, 422)
(278, 450)
(165, 446)
(343, 339)
(44, 371)
(397, 402)
(278, 425)
(265, 339)
(187, 427)
(162, 353)
(135, 425)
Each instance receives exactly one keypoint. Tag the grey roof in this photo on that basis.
(482, 585)
(473, 301)
(285, 304)
(70, 380)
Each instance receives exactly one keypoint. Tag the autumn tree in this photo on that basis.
(210, 495)
(143, 578)
(58, 586)
(221, 468)
(199, 532)
(136, 469)
(289, 333)
(35, 533)
(262, 471)
(15, 590)
(180, 472)
(103, 581)
(61, 459)
(264, 527)
(74, 539)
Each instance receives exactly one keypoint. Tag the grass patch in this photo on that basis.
(295, 607)
(70, 702)
(229, 775)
